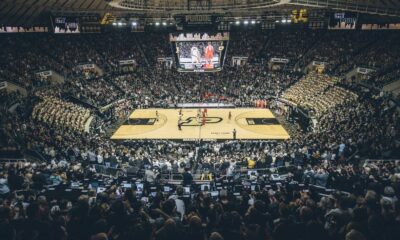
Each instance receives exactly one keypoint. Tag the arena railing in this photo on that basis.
(350, 6)
(72, 191)
(373, 161)
(12, 160)
(183, 7)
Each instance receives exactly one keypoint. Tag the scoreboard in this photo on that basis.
(299, 15)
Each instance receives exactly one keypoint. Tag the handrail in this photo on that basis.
(34, 154)
(9, 160)
(367, 161)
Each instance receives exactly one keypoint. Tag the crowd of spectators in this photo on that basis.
(352, 123)
(96, 91)
(254, 207)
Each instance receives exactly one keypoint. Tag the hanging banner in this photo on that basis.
(127, 62)
(279, 60)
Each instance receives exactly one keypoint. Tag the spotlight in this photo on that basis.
(134, 24)
(289, 20)
(114, 24)
(157, 24)
(246, 22)
(277, 21)
(164, 24)
(119, 23)
(284, 20)
(253, 22)
(237, 22)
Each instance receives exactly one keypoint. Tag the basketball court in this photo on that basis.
(249, 123)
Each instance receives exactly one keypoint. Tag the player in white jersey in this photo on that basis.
(195, 53)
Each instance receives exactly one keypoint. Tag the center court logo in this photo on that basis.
(192, 121)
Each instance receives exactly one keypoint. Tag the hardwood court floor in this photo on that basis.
(250, 123)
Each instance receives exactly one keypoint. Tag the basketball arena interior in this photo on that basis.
(199, 119)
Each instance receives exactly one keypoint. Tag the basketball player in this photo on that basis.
(205, 111)
(198, 115)
(157, 116)
(234, 134)
(195, 54)
(180, 124)
(204, 118)
(209, 54)
(229, 115)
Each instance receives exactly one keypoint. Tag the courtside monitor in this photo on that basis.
(199, 52)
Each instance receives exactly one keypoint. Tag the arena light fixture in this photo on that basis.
(164, 24)
(246, 22)
(134, 24)
(237, 22)
(157, 24)
(283, 20)
(253, 21)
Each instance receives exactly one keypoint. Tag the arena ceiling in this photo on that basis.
(35, 12)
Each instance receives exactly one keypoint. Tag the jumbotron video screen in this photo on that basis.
(199, 52)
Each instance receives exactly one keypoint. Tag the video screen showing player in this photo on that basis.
(198, 54)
